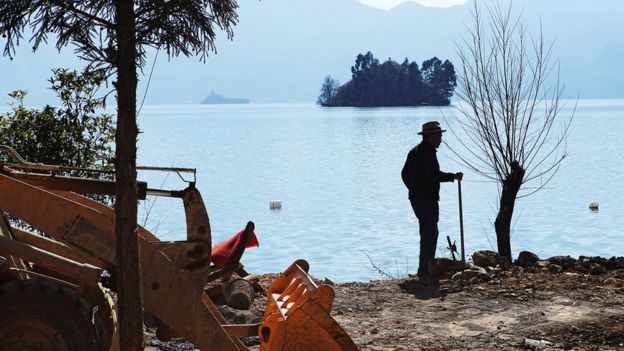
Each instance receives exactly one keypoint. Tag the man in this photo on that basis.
(422, 176)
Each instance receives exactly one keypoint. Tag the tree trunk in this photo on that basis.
(502, 224)
(126, 233)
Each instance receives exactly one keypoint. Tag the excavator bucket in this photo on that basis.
(298, 318)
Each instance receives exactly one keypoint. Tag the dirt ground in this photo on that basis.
(541, 307)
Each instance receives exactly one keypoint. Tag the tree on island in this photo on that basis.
(113, 35)
(328, 91)
(391, 84)
(510, 106)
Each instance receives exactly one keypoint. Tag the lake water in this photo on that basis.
(337, 173)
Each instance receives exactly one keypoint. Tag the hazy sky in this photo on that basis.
(274, 56)
(388, 4)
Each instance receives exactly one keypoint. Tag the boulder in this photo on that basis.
(566, 262)
(542, 264)
(555, 268)
(596, 269)
(438, 267)
(610, 264)
(526, 259)
(486, 258)
(616, 263)
(589, 265)
(472, 275)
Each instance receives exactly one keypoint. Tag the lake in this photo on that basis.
(344, 207)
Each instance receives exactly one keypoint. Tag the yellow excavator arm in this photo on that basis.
(81, 248)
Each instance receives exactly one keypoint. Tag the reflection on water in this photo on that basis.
(337, 173)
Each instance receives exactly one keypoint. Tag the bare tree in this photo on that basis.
(509, 94)
(114, 34)
(328, 91)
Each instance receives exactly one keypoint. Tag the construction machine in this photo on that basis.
(55, 280)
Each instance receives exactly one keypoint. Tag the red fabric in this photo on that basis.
(224, 250)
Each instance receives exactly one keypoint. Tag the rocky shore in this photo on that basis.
(560, 303)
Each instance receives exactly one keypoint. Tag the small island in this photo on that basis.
(215, 98)
(392, 84)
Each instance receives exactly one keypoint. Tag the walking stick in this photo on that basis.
(461, 222)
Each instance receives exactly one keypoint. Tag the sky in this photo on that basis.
(388, 4)
(275, 55)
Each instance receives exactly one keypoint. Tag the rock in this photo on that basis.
(610, 264)
(554, 268)
(616, 263)
(588, 262)
(235, 316)
(486, 258)
(175, 344)
(439, 267)
(566, 262)
(542, 264)
(591, 265)
(596, 269)
(536, 344)
(580, 268)
(468, 275)
(526, 259)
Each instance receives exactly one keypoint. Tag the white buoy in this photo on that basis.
(275, 205)
(593, 206)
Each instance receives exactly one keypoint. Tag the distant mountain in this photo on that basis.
(282, 50)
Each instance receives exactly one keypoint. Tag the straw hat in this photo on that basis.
(431, 127)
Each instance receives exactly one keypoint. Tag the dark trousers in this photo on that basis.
(427, 212)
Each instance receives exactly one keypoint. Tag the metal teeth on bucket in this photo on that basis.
(298, 317)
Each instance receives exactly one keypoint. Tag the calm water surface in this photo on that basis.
(337, 173)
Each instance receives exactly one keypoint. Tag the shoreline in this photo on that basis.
(546, 305)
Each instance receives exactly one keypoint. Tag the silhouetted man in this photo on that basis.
(422, 176)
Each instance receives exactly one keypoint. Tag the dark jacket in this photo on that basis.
(421, 173)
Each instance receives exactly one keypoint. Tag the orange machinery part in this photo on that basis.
(298, 317)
